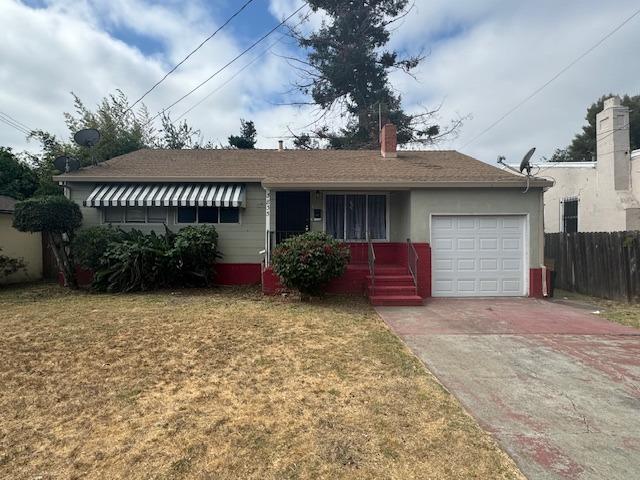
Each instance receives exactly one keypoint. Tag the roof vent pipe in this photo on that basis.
(280, 145)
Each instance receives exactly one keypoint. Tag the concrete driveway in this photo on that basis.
(557, 386)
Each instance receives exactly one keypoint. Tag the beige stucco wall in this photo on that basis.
(239, 243)
(21, 245)
(479, 201)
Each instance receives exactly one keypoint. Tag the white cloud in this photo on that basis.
(484, 58)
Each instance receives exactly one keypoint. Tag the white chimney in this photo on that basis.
(280, 145)
(613, 143)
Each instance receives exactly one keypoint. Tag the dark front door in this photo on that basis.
(292, 214)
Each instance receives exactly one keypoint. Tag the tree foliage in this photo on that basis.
(347, 67)
(247, 137)
(177, 136)
(17, 179)
(10, 265)
(58, 217)
(583, 145)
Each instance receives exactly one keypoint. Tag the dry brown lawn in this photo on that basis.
(221, 384)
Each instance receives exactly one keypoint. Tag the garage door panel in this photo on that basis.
(478, 255)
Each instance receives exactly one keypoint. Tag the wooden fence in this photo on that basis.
(601, 264)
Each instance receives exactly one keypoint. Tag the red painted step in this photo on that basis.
(396, 300)
(382, 280)
(391, 270)
(388, 290)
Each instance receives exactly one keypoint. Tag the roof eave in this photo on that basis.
(153, 179)
(402, 185)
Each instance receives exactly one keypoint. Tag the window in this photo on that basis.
(570, 215)
(135, 215)
(356, 216)
(208, 215)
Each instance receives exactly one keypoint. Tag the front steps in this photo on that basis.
(393, 287)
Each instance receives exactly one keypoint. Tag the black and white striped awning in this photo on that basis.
(167, 195)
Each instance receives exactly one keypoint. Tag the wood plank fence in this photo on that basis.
(601, 264)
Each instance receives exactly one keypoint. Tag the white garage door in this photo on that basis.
(475, 256)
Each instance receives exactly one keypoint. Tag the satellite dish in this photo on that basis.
(525, 163)
(66, 164)
(88, 137)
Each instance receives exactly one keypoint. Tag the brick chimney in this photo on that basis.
(389, 141)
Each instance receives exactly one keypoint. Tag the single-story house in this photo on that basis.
(601, 195)
(419, 223)
(15, 244)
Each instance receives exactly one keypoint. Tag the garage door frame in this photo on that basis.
(526, 238)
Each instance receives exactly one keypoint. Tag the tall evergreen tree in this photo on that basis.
(348, 66)
(247, 137)
(583, 145)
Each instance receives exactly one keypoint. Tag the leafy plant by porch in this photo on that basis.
(308, 262)
(223, 384)
(57, 216)
(135, 261)
(10, 265)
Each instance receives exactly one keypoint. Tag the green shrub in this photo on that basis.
(134, 261)
(89, 244)
(309, 261)
(9, 265)
(51, 214)
(195, 251)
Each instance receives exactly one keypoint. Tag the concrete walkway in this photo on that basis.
(557, 386)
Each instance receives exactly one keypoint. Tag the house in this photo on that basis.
(600, 196)
(15, 244)
(419, 224)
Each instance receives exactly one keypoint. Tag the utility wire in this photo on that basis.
(253, 45)
(13, 124)
(555, 77)
(221, 86)
(16, 121)
(246, 4)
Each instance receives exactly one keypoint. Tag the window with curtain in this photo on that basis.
(356, 217)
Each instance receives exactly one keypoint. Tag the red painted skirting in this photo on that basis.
(238, 274)
(535, 282)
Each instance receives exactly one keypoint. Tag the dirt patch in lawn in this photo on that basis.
(221, 384)
(623, 313)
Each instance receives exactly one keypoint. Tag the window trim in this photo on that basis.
(197, 222)
(103, 214)
(563, 201)
(366, 194)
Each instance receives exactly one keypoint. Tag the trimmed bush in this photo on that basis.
(58, 217)
(90, 244)
(51, 214)
(308, 262)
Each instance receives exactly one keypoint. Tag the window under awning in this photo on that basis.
(167, 195)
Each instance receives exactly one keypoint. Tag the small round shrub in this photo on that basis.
(90, 244)
(308, 262)
(52, 214)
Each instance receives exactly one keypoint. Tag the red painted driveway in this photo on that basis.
(557, 386)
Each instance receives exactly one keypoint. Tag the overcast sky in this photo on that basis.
(484, 57)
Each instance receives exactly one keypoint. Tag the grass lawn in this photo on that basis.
(221, 384)
(619, 312)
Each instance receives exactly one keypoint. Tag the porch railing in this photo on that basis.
(412, 261)
(372, 265)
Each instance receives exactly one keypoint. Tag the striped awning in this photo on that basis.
(166, 195)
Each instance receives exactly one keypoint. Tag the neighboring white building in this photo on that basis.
(601, 196)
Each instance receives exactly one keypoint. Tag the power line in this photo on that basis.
(555, 77)
(221, 86)
(189, 55)
(14, 124)
(16, 121)
(227, 64)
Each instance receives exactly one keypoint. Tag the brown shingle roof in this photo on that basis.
(301, 167)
